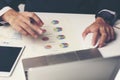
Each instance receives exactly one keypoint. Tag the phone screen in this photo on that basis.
(8, 56)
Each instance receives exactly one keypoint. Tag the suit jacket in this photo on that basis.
(66, 6)
(12, 3)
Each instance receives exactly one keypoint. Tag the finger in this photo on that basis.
(35, 18)
(95, 38)
(112, 34)
(28, 30)
(34, 27)
(103, 37)
(102, 41)
(37, 29)
(21, 30)
(38, 20)
(86, 31)
(108, 31)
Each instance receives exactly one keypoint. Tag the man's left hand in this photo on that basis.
(102, 32)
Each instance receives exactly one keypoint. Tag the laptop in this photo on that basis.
(77, 65)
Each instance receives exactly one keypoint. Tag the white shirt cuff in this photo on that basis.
(4, 10)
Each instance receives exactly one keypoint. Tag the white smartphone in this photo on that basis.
(9, 56)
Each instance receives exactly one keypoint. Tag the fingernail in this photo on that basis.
(40, 32)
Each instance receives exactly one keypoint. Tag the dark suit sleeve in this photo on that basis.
(110, 5)
(12, 3)
(3, 3)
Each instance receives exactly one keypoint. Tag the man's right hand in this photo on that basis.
(21, 21)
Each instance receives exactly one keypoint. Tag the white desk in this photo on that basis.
(76, 23)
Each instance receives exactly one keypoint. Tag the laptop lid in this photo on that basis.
(77, 65)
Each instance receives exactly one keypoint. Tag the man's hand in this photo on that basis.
(102, 32)
(27, 23)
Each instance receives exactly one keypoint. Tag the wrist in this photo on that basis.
(9, 15)
(100, 20)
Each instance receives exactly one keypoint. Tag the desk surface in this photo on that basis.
(73, 24)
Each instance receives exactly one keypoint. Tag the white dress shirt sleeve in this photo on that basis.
(4, 10)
